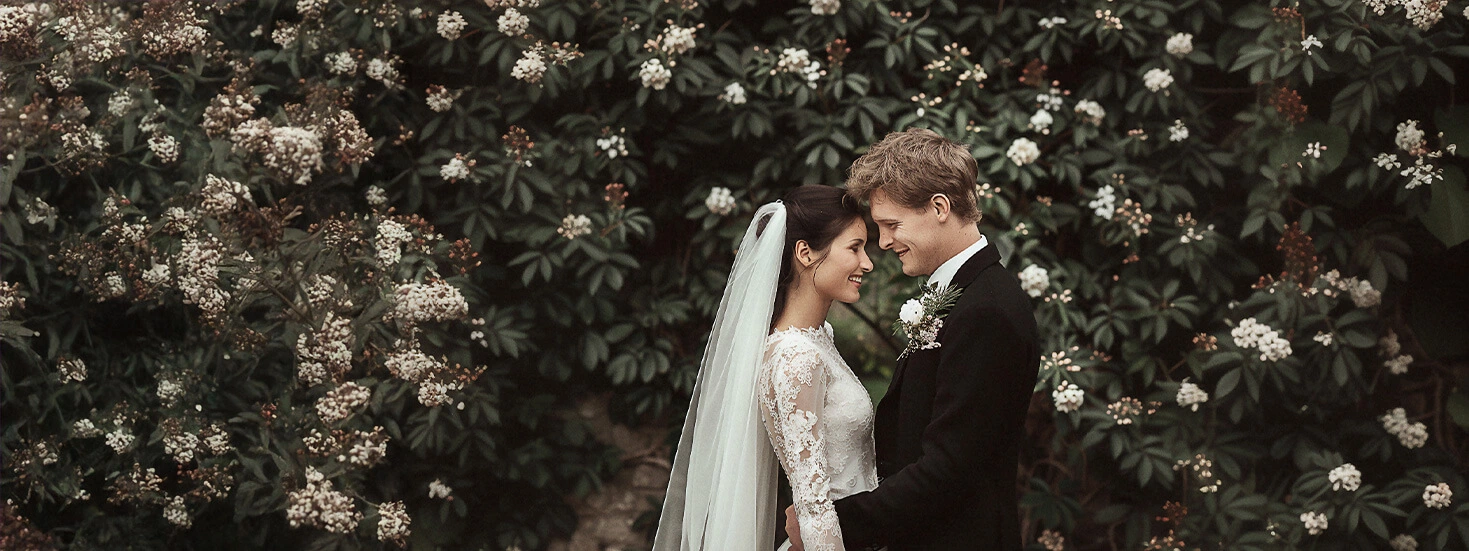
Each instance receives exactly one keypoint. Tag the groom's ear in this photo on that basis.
(939, 203)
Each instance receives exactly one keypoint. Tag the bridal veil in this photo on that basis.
(721, 493)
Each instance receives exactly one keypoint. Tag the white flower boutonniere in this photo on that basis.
(920, 319)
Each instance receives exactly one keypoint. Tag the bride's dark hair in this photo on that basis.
(817, 215)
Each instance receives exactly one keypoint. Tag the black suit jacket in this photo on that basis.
(948, 431)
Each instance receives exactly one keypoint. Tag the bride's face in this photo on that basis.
(839, 276)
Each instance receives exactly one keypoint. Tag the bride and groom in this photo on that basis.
(933, 467)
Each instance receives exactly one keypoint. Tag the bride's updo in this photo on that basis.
(817, 215)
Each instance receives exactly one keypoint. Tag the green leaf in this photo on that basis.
(1447, 217)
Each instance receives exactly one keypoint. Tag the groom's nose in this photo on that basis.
(884, 240)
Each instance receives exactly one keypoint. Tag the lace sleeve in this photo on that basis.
(794, 392)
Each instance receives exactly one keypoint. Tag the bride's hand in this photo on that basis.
(793, 529)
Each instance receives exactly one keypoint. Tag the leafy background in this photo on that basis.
(560, 310)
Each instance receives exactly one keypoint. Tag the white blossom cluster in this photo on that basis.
(120, 103)
(1180, 44)
(1388, 344)
(1410, 435)
(825, 7)
(376, 196)
(440, 99)
(83, 143)
(1253, 334)
(1345, 477)
(614, 145)
(1022, 151)
(176, 513)
(1360, 290)
(435, 301)
(181, 445)
(293, 152)
(220, 197)
(798, 60)
(321, 506)
(326, 353)
(734, 93)
(341, 402)
(216, 438)
(1157, 79)
(390, 237)
(368, 448)
(654, 75)
(432, 375)
(85, 428)
(1041, 121)
(451, 25)
(1051, 22)
(1068, 397)
(1190, 395)
(393, 522)
(227, 110)
(1398, 365)
(384, 71)
(438, 490)
(39, 211)
(169, 391)
(454, 170)
(411, 364)
(1178, 132)
(10, 299)
(1322, 337)
(574, 226)
(198, 274)
(1403, 542)
(19, 22)
(115, 286)
(285, 35)
(321, 288)
(1437, 496)
(530, 67)
(1051, 100)
(1315, 522)
(72, 369)
(94, 33)
(1424, 14)
(120, 439)
(1035, 280)
(341, 63)
(1105, 205)
(1410, 139)
(1092, 110)
(720, 201)
(1313, 150)
(677, 40)
(512, 22)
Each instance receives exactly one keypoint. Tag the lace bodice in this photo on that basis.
(819, 419)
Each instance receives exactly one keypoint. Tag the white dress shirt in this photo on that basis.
(944, 275)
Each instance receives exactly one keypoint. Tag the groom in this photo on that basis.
(949, 428)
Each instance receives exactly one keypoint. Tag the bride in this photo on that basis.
(772, 387)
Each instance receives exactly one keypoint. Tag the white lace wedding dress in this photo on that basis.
(819, 418)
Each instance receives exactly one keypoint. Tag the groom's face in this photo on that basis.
(911, 233)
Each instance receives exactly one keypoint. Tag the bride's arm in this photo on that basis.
(799, 382)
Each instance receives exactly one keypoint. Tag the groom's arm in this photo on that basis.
(985, 377)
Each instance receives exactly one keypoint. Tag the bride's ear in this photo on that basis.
(804, 254)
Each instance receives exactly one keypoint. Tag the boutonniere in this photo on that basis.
(921, 318)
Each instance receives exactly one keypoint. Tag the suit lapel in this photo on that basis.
(966, 274)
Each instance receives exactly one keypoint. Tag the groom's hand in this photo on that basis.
(793, 529)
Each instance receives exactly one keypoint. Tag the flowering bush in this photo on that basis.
(335, 273)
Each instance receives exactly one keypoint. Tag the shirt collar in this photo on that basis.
(944, 275)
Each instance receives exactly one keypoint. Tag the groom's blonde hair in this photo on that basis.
(911, 166)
